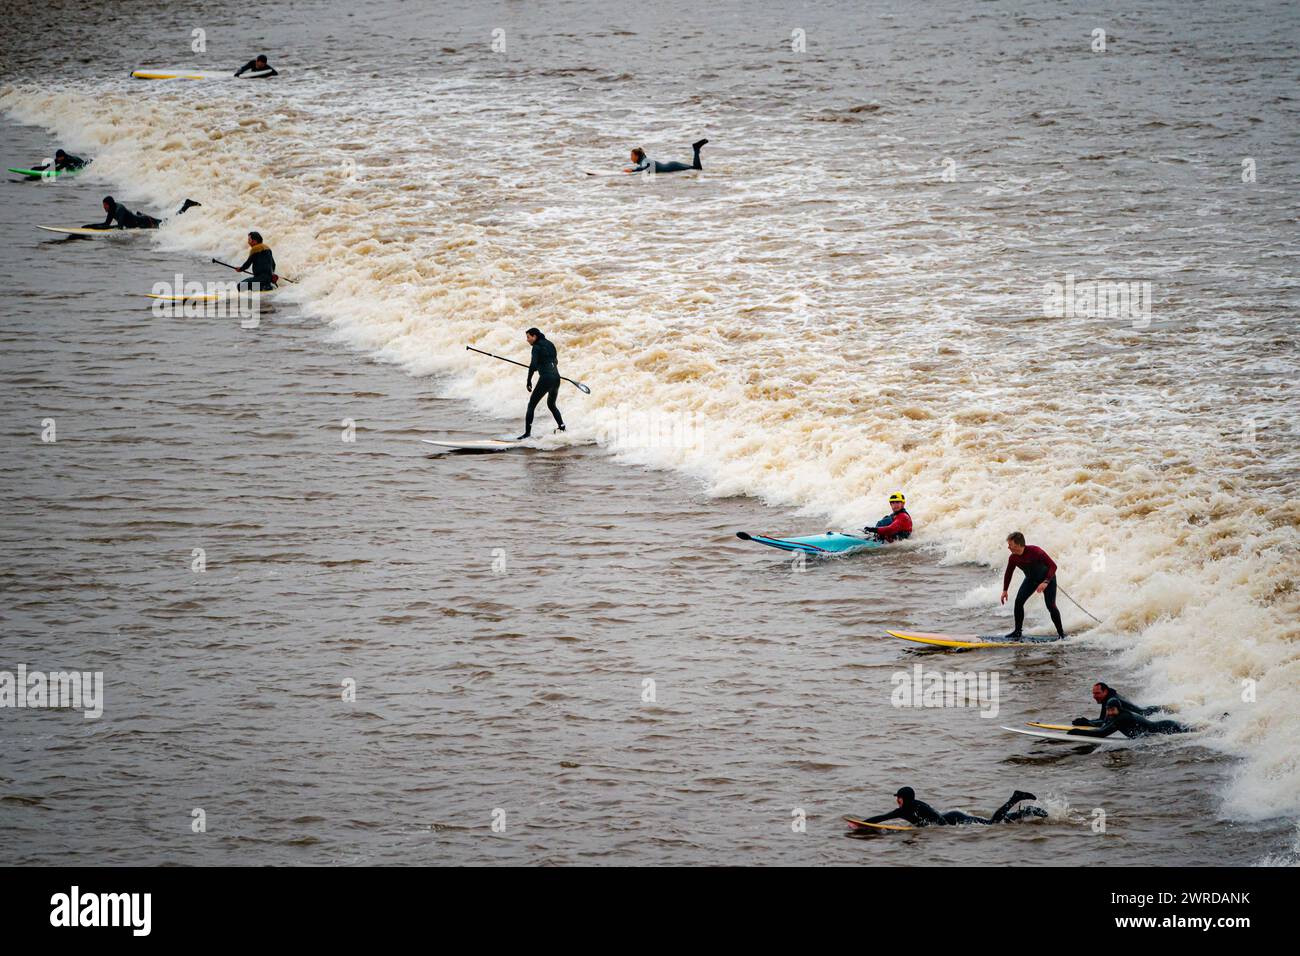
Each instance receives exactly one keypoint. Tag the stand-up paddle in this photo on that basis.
(274, 278)
(582, 388)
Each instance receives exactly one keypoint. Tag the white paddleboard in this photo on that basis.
(477, 444)
(91, 233)
(1114, 740)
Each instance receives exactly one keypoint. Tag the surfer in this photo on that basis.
(642, 163)
(921, 814)
(262, 263)
(256, 65)
(1040, 578)
(896, 525)
(1103, 694)
(545, 365)
(1128, 723)
(64, 162)
(124, 218)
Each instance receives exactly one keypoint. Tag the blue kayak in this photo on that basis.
(832, 542)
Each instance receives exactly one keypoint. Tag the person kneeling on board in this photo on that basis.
(1116, 718)
(262, 263)
(896, 525)
(546, 366)
(1103, 694)
(256, 65)
(921, 814)
(1040, 578)
(63, 162)
(641, 163)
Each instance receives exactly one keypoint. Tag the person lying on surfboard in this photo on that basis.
(1104, 694)
(1128, 723)
(120, 217)
(921, 814)
(63, 162)
(262, 263)
(546, 366)
(641, 163)
(1040, 578)
(256, 65)
(896, 525)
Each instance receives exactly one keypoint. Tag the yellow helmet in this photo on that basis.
(898, 496)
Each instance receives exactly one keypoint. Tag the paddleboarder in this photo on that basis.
(1103, 694)
(261, 262)
(896, 525)
(546, 367)
(921, 814)
(1131, 725)
(642, 163)
(1040, 578)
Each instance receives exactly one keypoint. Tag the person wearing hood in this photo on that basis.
(545, 366)
(921, 814)
(64, 162)
(895, 526)
(261, 262)
(1102, 693)
(1131, 725)
(256, 65)
(641, 163)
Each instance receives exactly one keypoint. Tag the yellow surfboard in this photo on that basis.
(856, 824)
(967, 642)
(1033, 723)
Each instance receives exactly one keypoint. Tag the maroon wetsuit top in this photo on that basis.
(1033, 561)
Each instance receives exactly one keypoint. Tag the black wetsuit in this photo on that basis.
(126, 219)
(921, 814)
(69, 162)
(263, 266)
(1126, 705)
(252, 65)
(673, 167)
(544, 364)
(1130, 725)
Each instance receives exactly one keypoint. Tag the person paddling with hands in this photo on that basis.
(1040, 578)
(895, 526)
(545, 365)
(920, 814)
(257, 65)
(1104, 694)
(261, 262)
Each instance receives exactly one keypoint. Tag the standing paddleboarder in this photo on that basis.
(546, 367)
(1040, 578)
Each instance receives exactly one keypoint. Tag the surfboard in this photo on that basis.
(856, 824)
(968, 642)
(1115, 740)
(607, 173)
(207, 296)
(832, 542)
(1061, 727)
(43, 173)
(478, 444)
(91, 233)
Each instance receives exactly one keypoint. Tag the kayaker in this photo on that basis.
(921, 814)
(1103, 694)
(63, 162)
(642, 163)
(1128, 723)
(895, 526)
(546, 367)
(261, 262)
(118, 216)
(1040, 578)
(256, 65)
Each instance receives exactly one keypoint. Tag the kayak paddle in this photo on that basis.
(582, 388)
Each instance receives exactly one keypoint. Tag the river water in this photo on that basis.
(571, 643)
